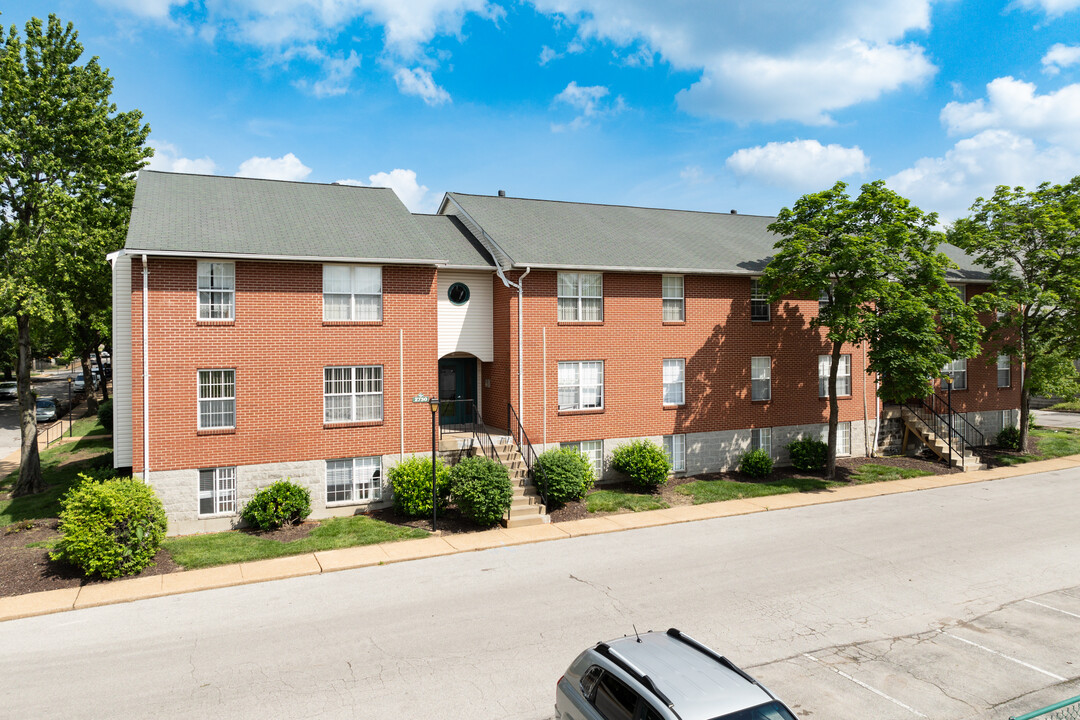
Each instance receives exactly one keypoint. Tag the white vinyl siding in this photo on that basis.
(466, 328)
(581, 385)
(217, 290)
(759, 302)
(957, 370)
(352, 394)
(217, 491)
(354, 480)
(761, 439)
(843, 376)
(352, 292)
(217, 399)
(675, 447)
(674, 382)
(674, 307)
(581, 297)
(121, 362)
(593, 450)
(1004, 371)
(761, 378)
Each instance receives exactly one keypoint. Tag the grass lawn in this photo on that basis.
(871, 472)
(708, 491)
(1051, 443)
(200, 551)
(1072, 406)
(616, 500)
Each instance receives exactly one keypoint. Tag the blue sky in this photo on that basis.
(695, 104)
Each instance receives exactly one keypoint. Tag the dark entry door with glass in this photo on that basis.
(457, 390)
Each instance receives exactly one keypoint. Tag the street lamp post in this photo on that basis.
(433, 403)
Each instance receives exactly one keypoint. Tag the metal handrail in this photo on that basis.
(473, 425)
(973, 437)
(528, 454)
(941, 427)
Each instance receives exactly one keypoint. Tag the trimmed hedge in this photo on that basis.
(411, 480)
(1009, 438)
(808, 454)
(644, 462)
(104, 415)
(481, 489)
(563, 474)
(110, 528)
(277, 504)
(756, 463)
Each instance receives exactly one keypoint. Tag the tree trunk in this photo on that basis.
(88, 384)
(30, 480)
(101, 372)
(1025, 407)
(834, 411)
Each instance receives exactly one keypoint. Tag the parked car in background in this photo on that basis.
(9, 390)
(79, 384)
(661, 676)
(47, 409)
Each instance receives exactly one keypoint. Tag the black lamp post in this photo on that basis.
(433, 403)
(70, 409)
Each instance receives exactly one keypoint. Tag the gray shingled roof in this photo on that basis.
(454, 242)
(545, 233)
(240, 216)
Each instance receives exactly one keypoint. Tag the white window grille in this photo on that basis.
(354, 480)
(352, 394)
(761, 378)
(957, 370)
(581, 385)
(217, 399)
(823, 300)
(217, 290)
(674, 382)
(593, 450)
(961, 291)
(1004, 371)
(581, 297)
(674, 299)
(761, 439)
(843, 376)
(843, 437)
(217, 491)
(675, 447)
(1007, 419)
(352, 292)
(759, 301)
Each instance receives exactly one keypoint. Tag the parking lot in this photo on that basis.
(1016, 659)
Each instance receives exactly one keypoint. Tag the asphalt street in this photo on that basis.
(913, 605)
(53, 384)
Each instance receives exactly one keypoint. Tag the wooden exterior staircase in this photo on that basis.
(950, 442)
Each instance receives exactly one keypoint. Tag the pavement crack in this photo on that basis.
(605, 591)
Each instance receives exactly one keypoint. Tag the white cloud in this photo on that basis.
(419, 82)
(694, 175)
(547, 55)
(167, 157)
(590, 101)
(415, 196)
(156, 9)
(1060, 56)
(1013, 105)
(1053, 8)
(337, 70)
(800, 164)
(287, 167)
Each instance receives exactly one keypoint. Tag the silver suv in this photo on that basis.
(661, 676)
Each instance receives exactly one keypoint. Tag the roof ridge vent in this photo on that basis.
(502, 193)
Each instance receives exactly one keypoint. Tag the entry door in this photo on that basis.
(457, 378)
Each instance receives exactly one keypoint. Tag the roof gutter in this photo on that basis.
(282, 258)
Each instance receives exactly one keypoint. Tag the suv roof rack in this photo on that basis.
(632, 670)
(709, 652)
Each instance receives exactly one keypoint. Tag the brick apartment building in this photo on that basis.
(266, 329)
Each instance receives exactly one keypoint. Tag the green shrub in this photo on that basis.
(411, 480)
(1009, 438)
(756, 463)
(277, 504)
(808, 454)
(563, 474)
(644, 462)
(481, 489)
(104, 414)
(110, 528)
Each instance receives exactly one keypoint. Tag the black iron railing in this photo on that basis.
(463, 417)
(528, 454)
(958, 434)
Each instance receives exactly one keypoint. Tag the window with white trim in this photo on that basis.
(352, 394)
(823, 300)
(843, 437)
(217, 290)
(352, 292)
(759, 301)
(581, 297)
(675, 447)
(581, 385)
(1004, 368)
(592, 449)
(674, 299)
(761, 439)
(217, 399)
(961, 291)
(1007, 419)
(354, 480)
(674, 382)
(217, 491)
(761, 378)
(843, 375)
(957, 370)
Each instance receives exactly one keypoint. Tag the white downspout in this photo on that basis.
(521, 345)
(146, 367)
(401, 390)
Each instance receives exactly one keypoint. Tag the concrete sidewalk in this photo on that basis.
(118, 591)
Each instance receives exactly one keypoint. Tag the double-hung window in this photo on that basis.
(217, 290)
(217, 491)
(843, 437)
(823, 300)
(674, 382)
(675, 447)
(581, 297)
(581, 385)
(217, 399)
(843, 375)
(961, 291)
(674, 308)
(1004, 368)
(592, 449)
(761, 378)
(352, 292)
(761, 439)
(957, 370)
(759, 301)
(352, 394)
(354, 480)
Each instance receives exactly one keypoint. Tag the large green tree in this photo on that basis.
(1029, 242)
(64, 148)
(873, 262)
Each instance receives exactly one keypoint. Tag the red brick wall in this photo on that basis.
(278, 345)
(496, 375)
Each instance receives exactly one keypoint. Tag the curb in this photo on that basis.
(325, 561)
